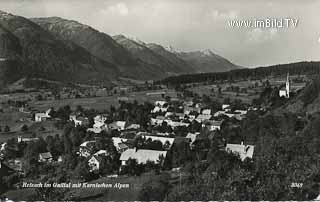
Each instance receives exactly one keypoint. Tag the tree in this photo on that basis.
(24, 128)
(155, 189)
(132, 168)
(82, 171)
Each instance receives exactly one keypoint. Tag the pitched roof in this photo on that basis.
(203, 117)
(142, 155)
(46, 155)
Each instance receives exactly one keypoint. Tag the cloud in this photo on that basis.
(120, 9)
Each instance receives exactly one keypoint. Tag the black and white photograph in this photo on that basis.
(159, 100)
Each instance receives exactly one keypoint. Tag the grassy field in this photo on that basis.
(33, 129)
(98, 103)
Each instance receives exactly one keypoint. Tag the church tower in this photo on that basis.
(288, 86)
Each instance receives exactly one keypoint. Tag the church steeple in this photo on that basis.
(288, 86)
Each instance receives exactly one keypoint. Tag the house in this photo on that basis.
(203, 117)
(24, 110)
(175, 124)
(99, 124)
(142, 156)
(206, 111)
(45, 157)
(3, 146)
(87, 148)
(95, 163)
(212, 125)
(244, 151)
(27, 139)
(225, 107)
(78, 119)
(192, 137)
(60, 159)
(16, 165)
(120, 144)
(122, 147)
(160, 103)
(158, 120)
(38, 117)
(159, 109)
(101, 153)
(117, 125)
(100, 118)
(133, 126)
(168, 114)
(238, 114)
(98, 127)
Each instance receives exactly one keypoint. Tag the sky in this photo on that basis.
(189, 25)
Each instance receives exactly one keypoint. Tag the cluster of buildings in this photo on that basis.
(161, 113)
(181, 115)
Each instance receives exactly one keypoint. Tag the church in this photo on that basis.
(285, 92)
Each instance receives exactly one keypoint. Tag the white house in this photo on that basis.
(225, 106)
(87, 148)
(192, 137)
(175, 124)
(203, 117)
(78, 120)
(159, 109)
(133, 126)
(142, 156)
(244, 151)
(212, 125)
(27, 139)
(117, 125)
(45, 157)
(160, 103)
(158, 120)
(100, 118)
(95, 163)
(206, 111)
(120, 144)
(98, 127)
(42, 116)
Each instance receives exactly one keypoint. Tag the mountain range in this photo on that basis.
(65, 50)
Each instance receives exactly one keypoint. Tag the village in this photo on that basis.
(128, 140)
